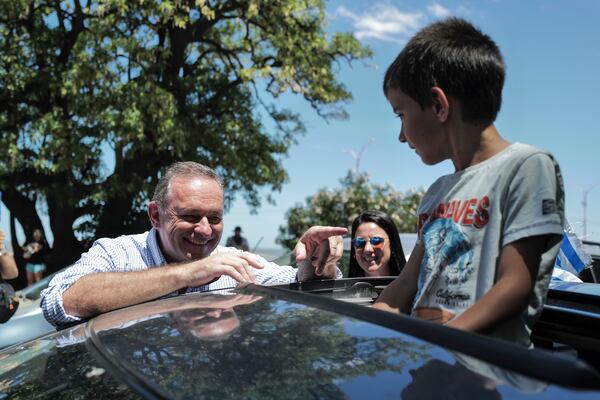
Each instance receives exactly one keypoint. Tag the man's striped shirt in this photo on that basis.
(138, 253)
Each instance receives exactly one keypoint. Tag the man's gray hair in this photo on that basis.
(188, 169)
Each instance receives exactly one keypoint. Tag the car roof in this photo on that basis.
(592, 248)
(277, 343)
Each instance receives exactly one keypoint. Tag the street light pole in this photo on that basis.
(357, 157)
(584, 203)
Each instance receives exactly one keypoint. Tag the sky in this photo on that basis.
(552, 55)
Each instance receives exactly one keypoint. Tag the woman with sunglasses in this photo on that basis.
(376, 249)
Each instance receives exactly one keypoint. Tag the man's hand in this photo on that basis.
(318, 251)
(238, 266)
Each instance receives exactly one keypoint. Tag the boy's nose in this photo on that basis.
(402, 138)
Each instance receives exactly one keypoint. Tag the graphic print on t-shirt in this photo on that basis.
(447, 264)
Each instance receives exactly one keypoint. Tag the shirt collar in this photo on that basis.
(157, 256)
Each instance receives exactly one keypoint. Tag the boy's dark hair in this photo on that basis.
(455, 56)
(385, 222)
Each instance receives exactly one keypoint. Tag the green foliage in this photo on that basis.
(146, 83)
(339, 207)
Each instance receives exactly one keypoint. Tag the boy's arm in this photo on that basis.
(517, 272)
(398, 295)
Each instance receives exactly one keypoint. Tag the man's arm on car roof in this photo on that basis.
(101, 292)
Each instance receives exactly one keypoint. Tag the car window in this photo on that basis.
(280, 349)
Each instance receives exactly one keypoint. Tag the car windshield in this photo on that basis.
(260, 343)
(257, 346)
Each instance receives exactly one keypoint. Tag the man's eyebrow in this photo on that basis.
(185, 211)
(194, 211)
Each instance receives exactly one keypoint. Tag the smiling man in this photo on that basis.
(179, 254)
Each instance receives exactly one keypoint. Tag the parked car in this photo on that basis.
(28, 322)
(571, 318)
(310, 340)
(592, 272)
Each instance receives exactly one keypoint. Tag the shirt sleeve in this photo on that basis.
(97, 259)
(535, 201)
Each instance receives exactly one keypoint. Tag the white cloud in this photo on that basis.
(439, 11)
(383, 22)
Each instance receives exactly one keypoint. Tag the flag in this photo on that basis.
(571, 259)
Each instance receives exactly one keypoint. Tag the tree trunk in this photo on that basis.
(21, 209)
(117, 216)
(24, 210)
(20, 281)
(66, 249)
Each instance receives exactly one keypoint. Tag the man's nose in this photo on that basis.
(203, 227)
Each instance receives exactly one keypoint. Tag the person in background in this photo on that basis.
(8, 267)
(376, 249)
(34, 254)
(237, 240)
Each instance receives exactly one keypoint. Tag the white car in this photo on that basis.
(28, 322)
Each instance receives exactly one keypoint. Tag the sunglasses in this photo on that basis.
(376, 242)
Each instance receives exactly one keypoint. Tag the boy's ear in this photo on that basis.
(441, 105)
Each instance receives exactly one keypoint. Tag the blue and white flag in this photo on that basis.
(571, 259)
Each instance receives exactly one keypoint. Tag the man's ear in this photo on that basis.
(154, 214)
(441, 105)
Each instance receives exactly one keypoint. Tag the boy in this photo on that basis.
(489, 232)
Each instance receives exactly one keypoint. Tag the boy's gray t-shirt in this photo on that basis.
(467, 217)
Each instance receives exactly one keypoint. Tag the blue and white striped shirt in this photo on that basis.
(138, 253)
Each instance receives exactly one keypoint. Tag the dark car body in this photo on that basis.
(316, 340)
(571, 317)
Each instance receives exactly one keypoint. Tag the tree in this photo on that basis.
(85, 84)
(339, 207)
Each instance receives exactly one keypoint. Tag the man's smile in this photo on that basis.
(196, 241)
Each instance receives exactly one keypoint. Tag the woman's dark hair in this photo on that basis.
(386, 223)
